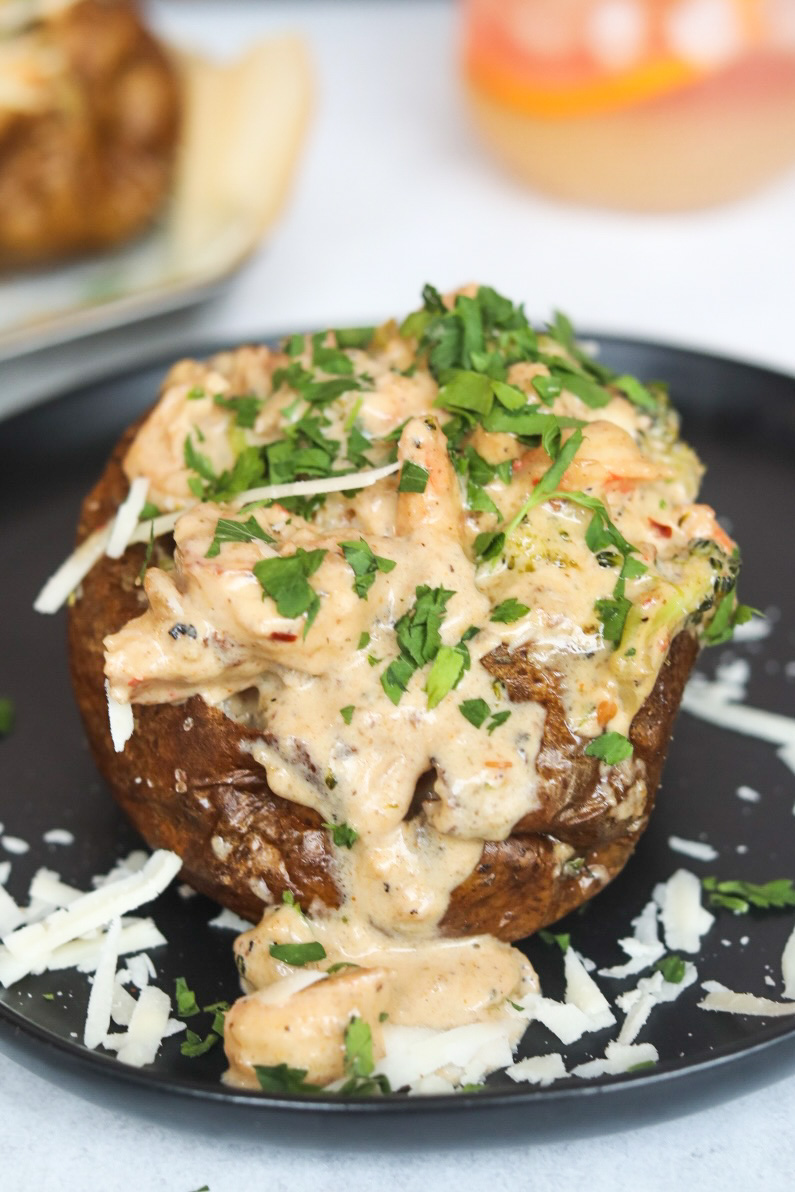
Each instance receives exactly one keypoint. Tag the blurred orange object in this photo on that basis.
(638, 104)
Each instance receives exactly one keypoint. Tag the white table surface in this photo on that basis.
(394, 190)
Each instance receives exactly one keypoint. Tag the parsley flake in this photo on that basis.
(227, 530)
(347, 713)
(280, 1078)
(476, 711)
(610, 748)
(285, 580)
(298, 954)
(245, 409)
(343, 835)
(672, 968)
(497, 719)
(359, 1062)
(187, 1005)
(413, 478)
(7, 716)
(193, 1044)
(740, 896)
(365, 565)
(509, 611)
(561, 939)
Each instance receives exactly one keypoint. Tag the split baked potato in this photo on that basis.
(197, 774)
(89, 123)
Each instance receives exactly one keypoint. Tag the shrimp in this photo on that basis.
(439, 505)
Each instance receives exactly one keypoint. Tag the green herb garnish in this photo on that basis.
(285, 580)
(298, 954)
(245, 409)
(194, 1045)
(343, 835)
(359, 1063)
(282, 1079)
(187, 1005)
(672, 968)
(509, 611)
(227, 530)
(476, 711)
(7, 716)
(610, 748)
(365, 565)
(560, 939)
(413, 478)
(740, 896)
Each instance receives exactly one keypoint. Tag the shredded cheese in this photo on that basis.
(100, 1000)
(538, 1069)
(120, 718)
(728, 1002)
(73, 570)
(788, 966)
(696, 849)
(127, 518)
(683, 918)
(29, 948)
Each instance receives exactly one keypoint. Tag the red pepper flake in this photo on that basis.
(283, 637)
(665, 531)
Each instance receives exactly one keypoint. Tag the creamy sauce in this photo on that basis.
(362, 769)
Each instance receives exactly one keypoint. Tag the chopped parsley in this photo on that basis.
(227, 530)
(413, 478)
(509, 611)
(488, 545)
(187, 1005)
(497, 719)
(219, 1011)
(364, 640)
(672, 968)
(359, 1062)
(610, 748)
(419, 639)
(347, 713)
(286, 581)
(740, 896)
(193, 1044)
(560, 939)
(283, 1079)
(354, 337)
(245, 409)
(445, 673)
(728, 614)
(7, 716)
(298, 954)
(247, 472)
(343, 835)
(365, 565)
(476, 711)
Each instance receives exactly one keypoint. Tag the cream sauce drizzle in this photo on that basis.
(397, 878)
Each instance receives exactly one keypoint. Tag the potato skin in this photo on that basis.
(91, 166)
(187, 781)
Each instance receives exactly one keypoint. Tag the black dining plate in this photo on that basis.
(742, 421)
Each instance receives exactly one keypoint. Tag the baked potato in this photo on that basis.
(585, 577)
(89, 124)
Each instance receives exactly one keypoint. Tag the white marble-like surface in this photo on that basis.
(393, 191)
